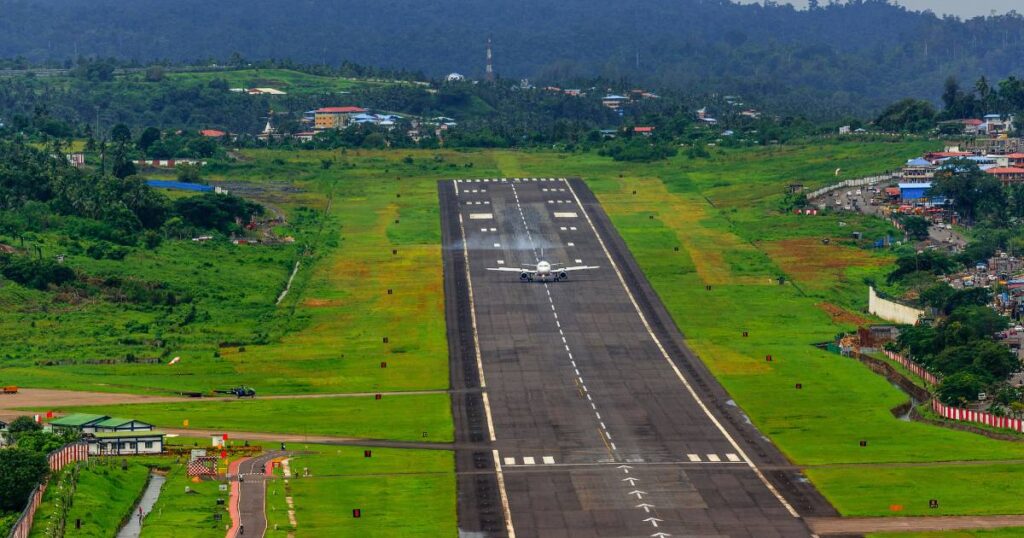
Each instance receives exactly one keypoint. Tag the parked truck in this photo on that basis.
(10, 389)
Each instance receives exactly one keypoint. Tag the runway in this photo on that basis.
(594, 418)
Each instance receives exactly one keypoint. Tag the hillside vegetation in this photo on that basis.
(857, 55)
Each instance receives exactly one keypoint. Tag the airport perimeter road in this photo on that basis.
(252, 505)
(594, 419)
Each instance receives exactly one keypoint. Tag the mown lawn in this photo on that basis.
(401, 417)
(399, 493)
(1014, 532)
(966, 489)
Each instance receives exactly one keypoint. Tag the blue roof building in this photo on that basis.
(914, 191)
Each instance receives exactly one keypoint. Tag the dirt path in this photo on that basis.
(864, 525)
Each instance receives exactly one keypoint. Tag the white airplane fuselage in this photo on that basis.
(544, 272)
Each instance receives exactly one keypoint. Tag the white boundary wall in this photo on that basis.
(892, 311)
(855, 183)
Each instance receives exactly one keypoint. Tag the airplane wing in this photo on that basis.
(579, 268)
(512, 270)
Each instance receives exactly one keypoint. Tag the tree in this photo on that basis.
(916, 227)
(148, 137)
(907, 115)
(959, 389)
(975, 193)
(120, 134)
(21, 425)
(20, 471)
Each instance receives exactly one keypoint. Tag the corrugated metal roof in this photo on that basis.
(77, 419)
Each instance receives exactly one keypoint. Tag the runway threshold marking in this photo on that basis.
(679, 374)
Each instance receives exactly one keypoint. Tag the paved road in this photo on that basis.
(252, 495)
(595, 419)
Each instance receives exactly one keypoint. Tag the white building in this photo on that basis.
(123, 443)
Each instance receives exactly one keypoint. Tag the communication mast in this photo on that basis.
(490, 62)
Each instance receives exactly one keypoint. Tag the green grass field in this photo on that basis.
(994, 533)
(401, 417)
(399, 492)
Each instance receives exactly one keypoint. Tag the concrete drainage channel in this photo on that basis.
(133, 527)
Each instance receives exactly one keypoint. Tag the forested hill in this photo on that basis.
(855, 56)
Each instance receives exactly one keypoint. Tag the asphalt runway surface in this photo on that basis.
(253, 494)
(594, 419)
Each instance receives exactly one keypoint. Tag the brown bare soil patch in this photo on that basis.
(842, 315)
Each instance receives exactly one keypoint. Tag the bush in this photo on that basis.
(34, 273)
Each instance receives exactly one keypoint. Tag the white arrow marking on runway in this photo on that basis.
(660, 535)
(653, 521)
(646, 507)
(639, 494)
(632, 481)
(625, 468)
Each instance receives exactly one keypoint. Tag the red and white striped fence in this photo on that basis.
(914, 367)
(57, 459)
(988, 419)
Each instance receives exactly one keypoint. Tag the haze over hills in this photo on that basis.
(851, 58)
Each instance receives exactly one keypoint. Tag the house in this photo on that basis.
(614, 102)
(1007, 174)
(121, 443)
(305, 136)
(1015, 159)
(645, 131)
(336, 117)
(212, 133)
(914, 192)
(455, 77)
(750, 113)
(845, 130)
(116, 424)
(972, 126)
(76, 159)
(918, 170)
(81, 423)
(996, 124)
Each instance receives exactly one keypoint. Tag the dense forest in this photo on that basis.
(851, 57)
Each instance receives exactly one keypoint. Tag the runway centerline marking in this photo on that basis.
(568, 350)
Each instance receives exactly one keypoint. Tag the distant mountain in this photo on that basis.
(842, 58)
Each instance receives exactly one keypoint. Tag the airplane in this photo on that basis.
(543, 271)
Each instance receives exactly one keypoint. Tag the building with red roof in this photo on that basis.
(646, 131)
(1007, 174)
(1016, 159)
(212, 133)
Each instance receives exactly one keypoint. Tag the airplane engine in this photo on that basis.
(524, 276)
(563, 275)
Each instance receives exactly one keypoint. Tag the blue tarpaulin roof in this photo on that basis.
(920, 161)
(178, 185)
